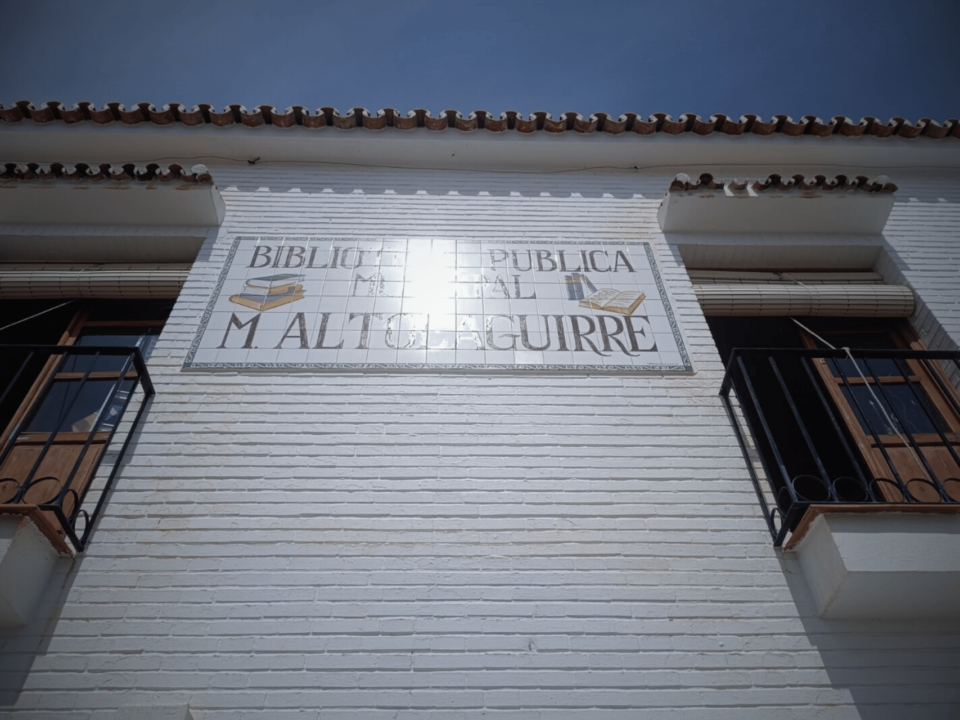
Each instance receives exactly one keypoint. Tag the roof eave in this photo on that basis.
(469, 150)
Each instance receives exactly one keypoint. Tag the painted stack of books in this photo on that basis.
(265, 293)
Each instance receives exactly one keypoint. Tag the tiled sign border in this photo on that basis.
(686, 366)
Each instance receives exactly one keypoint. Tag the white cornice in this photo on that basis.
(422, 148)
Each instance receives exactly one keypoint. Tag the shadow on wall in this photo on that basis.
(20, 647)
(892, 669)
(205, 254)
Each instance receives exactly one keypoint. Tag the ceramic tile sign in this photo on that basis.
(319, 303)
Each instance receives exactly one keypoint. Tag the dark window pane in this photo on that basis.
(130, 310)
(46, 328)
(881, 367)
(862, 341)
(144, 338)
(900, 402)
(71, 409)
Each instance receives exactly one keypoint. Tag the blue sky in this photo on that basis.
(839, 57)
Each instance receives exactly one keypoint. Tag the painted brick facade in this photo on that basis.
(348, 546)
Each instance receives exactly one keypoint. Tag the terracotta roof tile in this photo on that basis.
(97, 173)
(880, 184)
(477, 120)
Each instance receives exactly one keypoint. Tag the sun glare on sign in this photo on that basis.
(430, 280)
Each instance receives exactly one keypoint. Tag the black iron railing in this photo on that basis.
(825, 426)
(66, 407)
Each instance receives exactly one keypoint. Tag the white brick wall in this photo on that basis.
(924, 232)
(457, 546)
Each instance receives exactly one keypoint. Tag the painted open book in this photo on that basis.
(623, 302)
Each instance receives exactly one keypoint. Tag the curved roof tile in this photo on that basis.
(510, 120)
(97, 173)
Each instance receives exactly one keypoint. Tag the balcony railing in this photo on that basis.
(827, 427)
(67, 406)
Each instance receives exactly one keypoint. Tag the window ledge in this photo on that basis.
(42, 522)
(890, 562)
(30, 549)
(109, 195)
(776, 205)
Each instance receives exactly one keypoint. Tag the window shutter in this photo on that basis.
(837, 294)
(100, 281)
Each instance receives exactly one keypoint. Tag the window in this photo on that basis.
(882, 427)
(64, 408)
